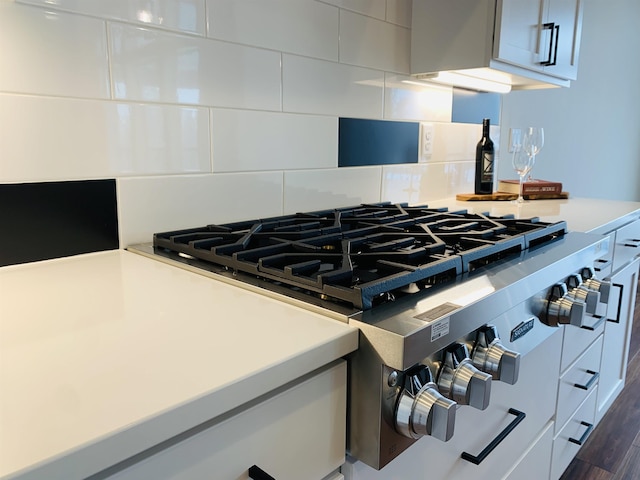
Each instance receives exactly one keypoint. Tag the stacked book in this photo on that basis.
(532, 187)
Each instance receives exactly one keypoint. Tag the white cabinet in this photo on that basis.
(534, 464)
(578, 382)
(591, 381)
(617, 333)
(294, 434)
(542, 35)
(572, 436)
(526, 43)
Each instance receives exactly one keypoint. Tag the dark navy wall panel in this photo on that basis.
(472, 107)
(377, 142)
(39, 221)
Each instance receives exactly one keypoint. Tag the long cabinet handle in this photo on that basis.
(620, 300)
(256, 473)
(477, 460)
(553, 51)
(584, 436)
(589, 384)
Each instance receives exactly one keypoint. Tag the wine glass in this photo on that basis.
(521, 161)
(532, 142)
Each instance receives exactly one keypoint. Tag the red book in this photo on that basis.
(530, 187)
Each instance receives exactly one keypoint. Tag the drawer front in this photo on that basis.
(627, 245)
(577, 339)
(577, 429)
(299, 433)
(578, 382)
(536, 462)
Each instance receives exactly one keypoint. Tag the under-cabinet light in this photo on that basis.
(466, 81)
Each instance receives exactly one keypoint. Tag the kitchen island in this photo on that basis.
(105, 356)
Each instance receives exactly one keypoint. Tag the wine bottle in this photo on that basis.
(485, 154)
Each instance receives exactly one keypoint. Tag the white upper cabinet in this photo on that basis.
(522, 43)
(542, 35)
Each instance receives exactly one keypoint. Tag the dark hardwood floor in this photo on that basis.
(612, 451)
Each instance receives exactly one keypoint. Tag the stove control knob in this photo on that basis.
(490, 356)
(577, 291)
(562, 309)
(461, 381)
(590, 281)
(421, 409)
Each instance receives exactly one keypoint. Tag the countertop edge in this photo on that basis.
(116, 447)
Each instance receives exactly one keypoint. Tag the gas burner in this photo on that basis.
(361, 255)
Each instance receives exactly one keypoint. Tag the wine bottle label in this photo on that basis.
(487, 166)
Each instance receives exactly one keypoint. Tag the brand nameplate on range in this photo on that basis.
(521, 330)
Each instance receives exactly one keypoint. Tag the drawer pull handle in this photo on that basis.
(584, 436)
(632, 242)
(256, 473)
(589, 384)
(601, 265)
(620, 300)
(595, 325)
(476, 460)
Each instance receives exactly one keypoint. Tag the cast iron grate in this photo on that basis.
(364, 254)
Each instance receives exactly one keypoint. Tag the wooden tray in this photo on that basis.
(472, 197)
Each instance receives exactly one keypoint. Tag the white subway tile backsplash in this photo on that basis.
(217, 110)
(327, 88)
(246, 140)
(321, 189)
(49, 53)
(407, 99)
(155, 66)
(399, 12)
(372, 8)
(304, 27)
(61, 138)
(155, 204)
(373, 43)
(454, 142)
(182, 15)
(418, 184)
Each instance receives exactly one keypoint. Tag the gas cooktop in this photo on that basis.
(360, 255)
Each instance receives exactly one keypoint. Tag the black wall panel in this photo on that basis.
(39, 221)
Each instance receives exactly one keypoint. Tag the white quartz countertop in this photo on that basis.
(581, 214)
(107, 354)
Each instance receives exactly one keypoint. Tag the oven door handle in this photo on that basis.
(477, 460)
(256, 473)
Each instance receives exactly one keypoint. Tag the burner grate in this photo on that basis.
(364, 254)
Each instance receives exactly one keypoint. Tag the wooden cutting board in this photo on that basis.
(471, 197)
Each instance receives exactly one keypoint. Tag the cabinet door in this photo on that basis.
(530, 33)
(617, 333)
(297, 434)
(518, 35)
(565, 18)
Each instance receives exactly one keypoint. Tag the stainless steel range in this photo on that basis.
(446, 302)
